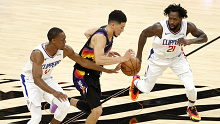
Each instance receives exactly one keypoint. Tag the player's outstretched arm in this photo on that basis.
(38, 59)
(98, 42)
(154, 30)
(68, 51)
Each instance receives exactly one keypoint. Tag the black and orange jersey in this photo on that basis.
(88, 52)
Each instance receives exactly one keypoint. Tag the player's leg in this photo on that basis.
(61, 111)
(151, 74)
(191, 92)
(94, 116)
(153, 71)
(182, 69)
(89, 88)
(81, 86)
(93, 99)
(63, 107)
(91, 105)
(36, 114)
(80, 104)
(33, 95)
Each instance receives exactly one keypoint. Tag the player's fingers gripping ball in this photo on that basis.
(131, 67)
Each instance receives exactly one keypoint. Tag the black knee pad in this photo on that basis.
(84, 106)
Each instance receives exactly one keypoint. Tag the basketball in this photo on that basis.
(131, 67)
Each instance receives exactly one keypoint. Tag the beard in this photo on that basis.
(174, 27)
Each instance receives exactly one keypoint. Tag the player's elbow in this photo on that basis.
(205, 38)
(87, 34)
(143, 34)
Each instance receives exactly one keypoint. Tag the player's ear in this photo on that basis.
(112, 24)
(53, 41)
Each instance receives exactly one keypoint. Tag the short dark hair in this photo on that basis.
(176, 8)
(117, 16)
(53, 32)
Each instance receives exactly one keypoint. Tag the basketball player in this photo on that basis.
(170, 36)
(97, 49)
(37, 82)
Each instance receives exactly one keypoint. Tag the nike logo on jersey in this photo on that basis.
(46, 59)
(167, 33)
(58, 54)
(181, 34)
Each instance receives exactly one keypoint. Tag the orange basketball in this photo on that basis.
(131, 67)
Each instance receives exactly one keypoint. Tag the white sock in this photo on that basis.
(135, 82)
(191, 104)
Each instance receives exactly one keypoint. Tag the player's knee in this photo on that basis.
(65, 106)
(36, 119)
(97, 111)
(62, 111)
(191, 90)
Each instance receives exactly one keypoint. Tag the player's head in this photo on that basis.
(175, 15)
(57, 37)
(117, 20)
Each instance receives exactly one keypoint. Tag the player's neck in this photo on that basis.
(109, 31)
(51, 49)
(176, 30)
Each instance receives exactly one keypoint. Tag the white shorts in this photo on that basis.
(34, 94)
(156, 66)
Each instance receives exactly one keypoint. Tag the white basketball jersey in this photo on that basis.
(167, 47)
(49, 63)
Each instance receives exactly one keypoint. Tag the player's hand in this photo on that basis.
(117, 68)
(184, 42)
(110, 71)
(60, 96)
(113, 54)
(130, 53)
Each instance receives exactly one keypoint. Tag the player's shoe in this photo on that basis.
(133, 121)
(53, 108)
(134, 92)
(192, 112)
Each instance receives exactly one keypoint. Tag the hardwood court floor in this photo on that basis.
(24, 24)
